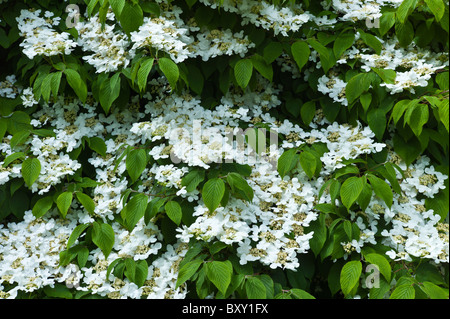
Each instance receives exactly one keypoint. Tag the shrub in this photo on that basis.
(224, 149)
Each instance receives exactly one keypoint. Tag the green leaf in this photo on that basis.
(237, 182)
(381, 189)
(63, 202)
(76, 233)
(350, 190)
(301, 294)
(42, 206)
(444, 113)
(377, 122)
(187, 271)
(170, 70)
(131, 17)
(264, 68)
(343, 42)
(117, 7)
(173, 210)
(382, 263)
(388, 76)
(243, 71)
(14, 156)
(31, 168)
(135, 163)
(58, 291)
(434, 291)
(307, 112)
(192, 180)
(144, 71)
(437, 7)
(77, 84)
(103, 237)
(405, 291)
(350, 274)
(272, 51)
(287, 161)
(357, 85)
(419, 117)
(255, 288)
(405, 9)
(308, 163)
(86, 201)
(399, 109)
(141, 273)
(134, 210)
(19, 138)
(371, 41)
(301, 52)
(212, 193)
(219, 273)
(97, 144)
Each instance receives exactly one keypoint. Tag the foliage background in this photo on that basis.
(411, 119)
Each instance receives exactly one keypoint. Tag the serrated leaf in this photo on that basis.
(135, 163)
(187, 271)
(437, 7)
(434, 291)
(308, 163)
(343, 42)
(350, 274)
(76, 83)
(382, 263)
(377, 122)
(381, 189)
(31, 169)
(254, 288)
(237, 182)
(87, 202)
(103, 237)
(98, 145)
(173, 210)
(301, 294)
(144, 71)
(287, 161)
(357, 85)
(170, 70)
(243, 71)
(131, 17)
(405, 291)
(301, 52)
(63, 202)
(212, 193)
(134, 210)
(350, 190)
(117, 7)
(42, 206)
(76, 233)
(219, 273)
(192, 180)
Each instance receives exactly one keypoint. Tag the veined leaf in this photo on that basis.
(350, 190)
(219, 273)
(350, 274)
(63, 202)
(103, 236)
(212, 193)
(243, 71)
(31, 168)
(173, 210)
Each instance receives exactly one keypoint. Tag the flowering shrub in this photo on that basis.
(224, 149)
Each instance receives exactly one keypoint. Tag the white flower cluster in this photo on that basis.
(8, 88)
(164, 35)
(110, 46)
(29, 259)
(265, 15)
(360, 10)
(272, 229)
(40, 37)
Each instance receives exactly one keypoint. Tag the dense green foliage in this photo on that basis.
(106, 185)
